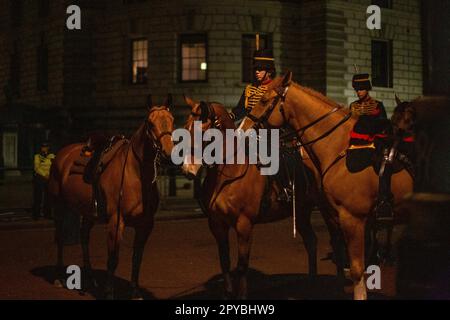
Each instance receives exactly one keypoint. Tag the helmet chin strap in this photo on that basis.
(263, 79)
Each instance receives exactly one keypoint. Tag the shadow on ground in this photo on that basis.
(122, 286)
(277, 287)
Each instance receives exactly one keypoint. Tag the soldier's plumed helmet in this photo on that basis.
(361, 82)
(263, 60)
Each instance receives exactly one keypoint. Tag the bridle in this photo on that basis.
(262, 121)
(207, 113)
(156, 140)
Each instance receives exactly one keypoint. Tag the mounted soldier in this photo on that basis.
(265, 72)
(370, 132)
(264, 67)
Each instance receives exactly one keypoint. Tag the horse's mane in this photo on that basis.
(278, 81)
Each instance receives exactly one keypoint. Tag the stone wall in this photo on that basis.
(349, 42)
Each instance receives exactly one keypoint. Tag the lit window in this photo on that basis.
(382, 73)
(193, 58)
(248, 49)
(139, 61)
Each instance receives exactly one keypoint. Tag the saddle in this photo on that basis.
(95, 157)
(360, 157)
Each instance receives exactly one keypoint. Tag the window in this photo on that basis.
(193, 57)
(383, 3)
(44, 8)
(16, 12)
(248, 49)
(132, 1)
(382, 63)
(42, 68)
(139, 61)
(14, 76)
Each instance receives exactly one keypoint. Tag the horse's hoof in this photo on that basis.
(109, 296)
(137, 298)
(58, 283)
(136, 294)
(228, 295)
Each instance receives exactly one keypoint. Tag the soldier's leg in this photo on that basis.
(37, 197)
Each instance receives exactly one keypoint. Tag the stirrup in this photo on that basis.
(384, 211)
(285, 195)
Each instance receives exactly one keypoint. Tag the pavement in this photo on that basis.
(16, 199)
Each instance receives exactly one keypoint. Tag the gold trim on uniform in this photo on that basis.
(364, 108)
(253, 95)
(264, 58)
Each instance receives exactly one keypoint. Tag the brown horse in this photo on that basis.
(128, 189)
(232, 198)
(324, 127)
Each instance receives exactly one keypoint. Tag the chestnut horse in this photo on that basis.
(128, 189)
(232, 197)
(324, 127)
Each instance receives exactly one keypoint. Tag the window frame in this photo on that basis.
(390, 64)
(268, 41)
(16, 11)
(389, 4)
(131, 61)
(14, 72)
(44, 8)
(42, 73)
(181, 41)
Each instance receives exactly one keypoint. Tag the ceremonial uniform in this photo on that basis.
(372, 118)
(263, 61)
(42, 164)
(372, 124)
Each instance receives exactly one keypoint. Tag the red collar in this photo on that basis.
(267, 81)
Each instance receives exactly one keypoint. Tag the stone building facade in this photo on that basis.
(90, 79)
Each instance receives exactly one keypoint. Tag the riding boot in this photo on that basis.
(385, 201)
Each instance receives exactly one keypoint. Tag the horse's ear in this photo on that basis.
(149, 102)
(397, 100)
(168, 102)
(204, 111)
(189, 101)
(287, 78)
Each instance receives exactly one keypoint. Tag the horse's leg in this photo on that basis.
(354, 228)
(303, 224)
(59, 239)
(140, 239)
(220, 231)
(87, 223)
(337, 243)
(115, 232)
(244, 232)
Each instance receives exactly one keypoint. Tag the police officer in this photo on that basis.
(42, 163)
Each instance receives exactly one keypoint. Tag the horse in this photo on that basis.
(128, 189)
(323, 128)
(232, 197)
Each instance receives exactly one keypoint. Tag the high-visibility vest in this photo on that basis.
(42, 164)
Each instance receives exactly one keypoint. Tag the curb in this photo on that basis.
(50, 224)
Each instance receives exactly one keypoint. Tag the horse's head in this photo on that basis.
(159, 126)
(404, 117)
(212, 115)
(269, 111)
